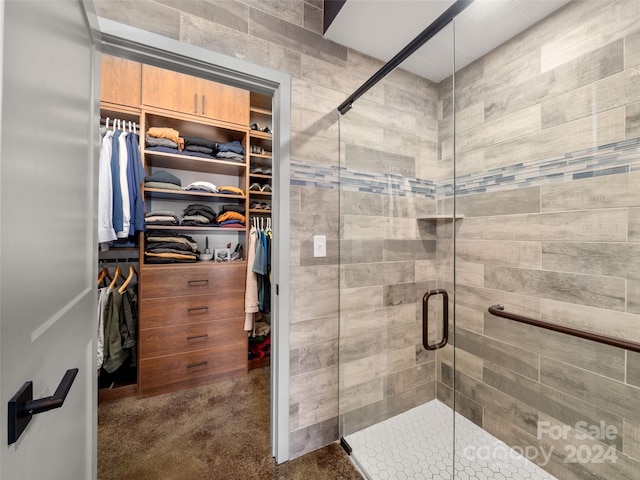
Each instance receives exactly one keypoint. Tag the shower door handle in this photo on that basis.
(425, 319)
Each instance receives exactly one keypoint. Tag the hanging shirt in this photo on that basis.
(115, 182)
(106, 233)
(123, 232)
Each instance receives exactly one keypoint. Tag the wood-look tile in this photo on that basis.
(518, 413)
(407, 250)
(592, 290)
(593, 319)
(306, 226)
(588, 68)
(313, 18)
(608, 394)
(361, 299)
(361, 345)
(379, 318)
(318, 356)
(363, 227)
(294, 37)
(311, 122)
(361, 203)
(313, 383)
(589, 132)
(633, 368)
(145, 15)
(602, 359)
(368, 415)
(506, 202)
(633, 296)
(307, 257)
(631, 439)
(514, 358)
(632, 120)
(314, 149)
(632, 49)
(609, 191)
(316, 98)
(305, 306)
(358, 396)
(361, 251)
(500, 253)
(312, 437)
(634, 224)
(567, 408)
(612, 259)
(318, 409)
(316, 330)
(314, 278)
(231, 14)
(360, 275)
(368, 159)
(608, 225)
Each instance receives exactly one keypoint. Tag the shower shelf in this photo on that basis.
(440, 217)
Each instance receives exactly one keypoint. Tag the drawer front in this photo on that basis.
(165, 312)
(156, 342)
(187, 367)
(176, 281)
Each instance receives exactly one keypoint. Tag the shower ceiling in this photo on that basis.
(381, 28)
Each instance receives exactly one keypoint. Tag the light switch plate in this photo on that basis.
(319, 246)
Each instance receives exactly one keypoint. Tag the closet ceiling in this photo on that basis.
(381, 28)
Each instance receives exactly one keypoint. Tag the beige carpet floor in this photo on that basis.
(217, 432)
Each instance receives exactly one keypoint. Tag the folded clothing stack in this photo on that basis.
(169, 247)
(163, 179)
(231, 151)
(202, 186)
(161, 217)
(230, 219)
(197, 215)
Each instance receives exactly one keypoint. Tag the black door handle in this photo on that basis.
(425, 319)
(22, 406)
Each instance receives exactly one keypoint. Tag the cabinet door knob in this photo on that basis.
(203, 104)
(195, 103)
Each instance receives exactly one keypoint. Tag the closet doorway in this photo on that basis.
(256, 117)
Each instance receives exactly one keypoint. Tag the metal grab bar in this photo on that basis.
(425, 319)
(498, 311)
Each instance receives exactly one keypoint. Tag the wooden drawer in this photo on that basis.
(173, 372)
(156, 342)
(171, 311)
(175, 281)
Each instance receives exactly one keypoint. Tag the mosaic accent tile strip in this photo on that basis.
(417, 444)
(611, 159)
(322, 176)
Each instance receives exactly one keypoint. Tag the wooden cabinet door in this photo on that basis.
(171, 90)
(224, 102)
(120, 81)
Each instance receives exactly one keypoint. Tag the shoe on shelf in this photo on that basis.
(266, 170)
(255, 187)
(265, 188)
(256, 169)
(255, 206)
(254, 126)
(265, 206)
(266, 130)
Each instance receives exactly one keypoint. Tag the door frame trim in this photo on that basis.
(146, 47)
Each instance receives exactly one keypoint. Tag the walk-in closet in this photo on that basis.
(185, 230)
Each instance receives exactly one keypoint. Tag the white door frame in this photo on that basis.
(139, 45)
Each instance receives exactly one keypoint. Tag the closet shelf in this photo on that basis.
(187, 195)
(188, 265)
(261, 155)
(260, 175)
(259, 134)
(198, 164)
(182, 228)
(255, 192)
(262, 111)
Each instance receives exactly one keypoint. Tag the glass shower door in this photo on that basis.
(396, 282)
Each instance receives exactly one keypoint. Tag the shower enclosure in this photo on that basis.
(508, 182)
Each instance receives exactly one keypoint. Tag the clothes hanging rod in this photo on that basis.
(429, 32)
(498, 311)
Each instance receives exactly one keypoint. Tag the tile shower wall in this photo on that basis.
(547, 156)
(387, 257)
(286, 36)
